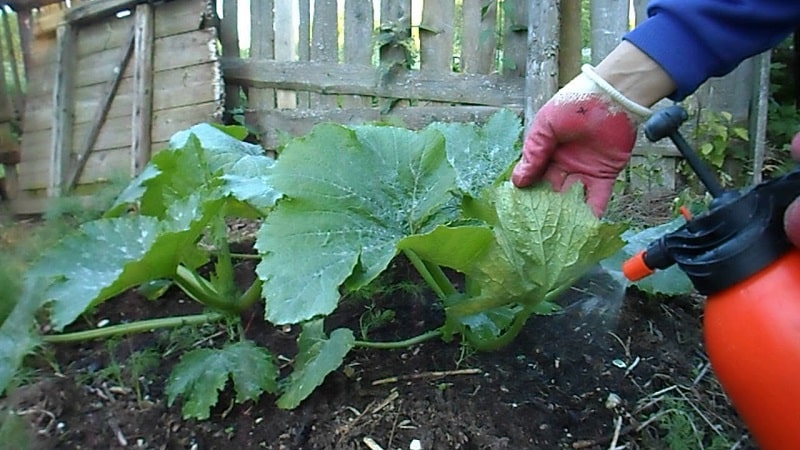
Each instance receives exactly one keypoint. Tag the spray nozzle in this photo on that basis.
(740, 233)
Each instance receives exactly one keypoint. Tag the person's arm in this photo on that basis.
(635, 75)
(586, 132)
(693, 40)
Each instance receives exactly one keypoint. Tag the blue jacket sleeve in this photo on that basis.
(693, 40)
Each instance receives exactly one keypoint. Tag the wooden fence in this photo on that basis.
(291, 64)
(351, 61)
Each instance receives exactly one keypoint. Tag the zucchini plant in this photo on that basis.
(337, 206)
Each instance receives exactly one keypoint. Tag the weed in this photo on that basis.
(374, 318)
(138, 365)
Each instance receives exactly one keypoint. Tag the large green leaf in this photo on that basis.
(17, 333)
(202, 373)
(352, 194)
(107, 256)
(454, 247)
(544, 242)
(317, 356)
(201, 160)
(481, 154)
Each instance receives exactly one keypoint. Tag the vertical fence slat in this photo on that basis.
(285, 47)
(7, 107)
(229, 40)
(569, 58)
(515, 37)
(478, 36)
(262, 45)
(436, 36)
(17, 98)
(359, 19)
(609, 23)
(324, 45)
(142, 114)
(303, 43)
(25, 36)
(541, 80)
(63, 105)
(395, 15)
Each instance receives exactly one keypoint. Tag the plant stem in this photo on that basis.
(400, 344)
(245, 256)
(250, 296)
(134, 327)
(437, 280)
(200, 289)
(505, 338)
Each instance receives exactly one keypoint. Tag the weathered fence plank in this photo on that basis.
(478, 36)
(571, 45)
(515, 36)
(262, 45)
(284, 48)
(395, 18)
(142, 108)
(321, 78)
(229, 41)
(62, 132)
(609, 23)
(300, 121)
(303, 43)
(541, 81)
(358, 25)
(436, 36)
(324, 45)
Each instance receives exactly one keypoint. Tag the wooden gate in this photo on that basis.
(108, 88)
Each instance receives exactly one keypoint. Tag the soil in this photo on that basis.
(606, 373)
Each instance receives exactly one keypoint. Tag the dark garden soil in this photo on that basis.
(605, 373)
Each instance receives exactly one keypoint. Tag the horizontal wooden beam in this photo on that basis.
(355, 79)
(96, 9)
(274, 124)
(27, 5)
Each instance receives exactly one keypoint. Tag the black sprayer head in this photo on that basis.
(739, 235)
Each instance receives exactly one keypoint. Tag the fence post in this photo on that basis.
(63, 107)
(358, 26)
(436, 36)
(609, 23)
(478, 36)
(571, 45)
(541, 79)
(142, 115)
(229, 39)
(262, 46)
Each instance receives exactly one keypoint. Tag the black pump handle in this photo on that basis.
(665, 123)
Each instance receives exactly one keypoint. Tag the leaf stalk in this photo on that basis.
(133, 327)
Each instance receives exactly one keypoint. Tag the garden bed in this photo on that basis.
(604, 372)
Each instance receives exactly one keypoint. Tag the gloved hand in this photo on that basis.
(791, 218)
(584, 133)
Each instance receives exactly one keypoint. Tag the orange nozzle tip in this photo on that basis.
(635, 268)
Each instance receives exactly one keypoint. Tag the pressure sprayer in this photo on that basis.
(737, 254)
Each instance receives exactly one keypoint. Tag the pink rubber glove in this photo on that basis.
(791, 218)
(584, 133)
